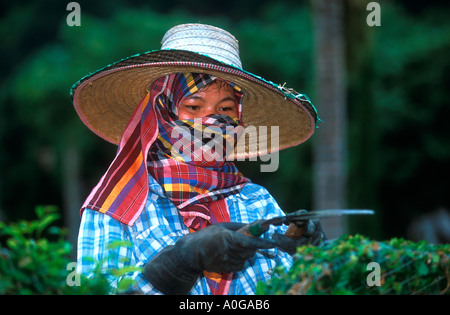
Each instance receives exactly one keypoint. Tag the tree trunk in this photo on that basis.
(71, 187)
(330, 139)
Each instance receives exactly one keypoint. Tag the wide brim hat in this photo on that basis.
(274, 117)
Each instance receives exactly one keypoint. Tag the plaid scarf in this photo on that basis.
(196, 178)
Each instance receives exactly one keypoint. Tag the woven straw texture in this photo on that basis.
(106, 99)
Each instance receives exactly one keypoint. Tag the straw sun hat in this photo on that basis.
(106, 99)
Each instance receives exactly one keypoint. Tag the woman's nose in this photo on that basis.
(210, 111)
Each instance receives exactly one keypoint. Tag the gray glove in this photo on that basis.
(216, 248)
(313, 234)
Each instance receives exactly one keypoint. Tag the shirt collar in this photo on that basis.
(155, 187)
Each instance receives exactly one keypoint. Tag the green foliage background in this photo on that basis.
(342, 268)
(398, 97)
(36, 259)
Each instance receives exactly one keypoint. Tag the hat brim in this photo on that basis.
(106, 99)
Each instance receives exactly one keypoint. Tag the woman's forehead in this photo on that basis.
(217, 86)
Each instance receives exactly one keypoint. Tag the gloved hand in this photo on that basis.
(312, 234)
(216, 248)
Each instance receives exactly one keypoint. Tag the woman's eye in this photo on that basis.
(225, 109)
(191, 107)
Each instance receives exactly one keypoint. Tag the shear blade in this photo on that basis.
(303, 216)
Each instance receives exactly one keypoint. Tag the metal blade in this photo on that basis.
(331, 213)
(300, 215)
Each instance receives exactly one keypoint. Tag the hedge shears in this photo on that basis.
(297, 221)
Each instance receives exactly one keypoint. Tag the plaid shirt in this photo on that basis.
(159, 225)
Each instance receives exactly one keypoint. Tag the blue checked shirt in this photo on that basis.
(160, 225)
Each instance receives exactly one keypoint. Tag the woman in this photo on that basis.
(172, 191)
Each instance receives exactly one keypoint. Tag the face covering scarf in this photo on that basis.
(191, 178)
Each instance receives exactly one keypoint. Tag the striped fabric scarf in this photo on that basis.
(195, 176)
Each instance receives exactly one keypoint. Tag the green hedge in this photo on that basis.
(346, 266)
(35, 258)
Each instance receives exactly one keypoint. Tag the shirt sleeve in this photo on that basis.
(105, 241)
